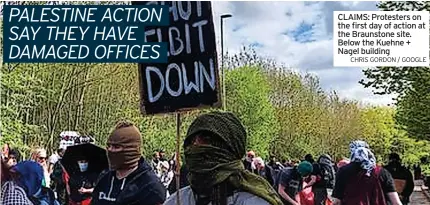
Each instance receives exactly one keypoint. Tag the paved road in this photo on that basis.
(418, 197)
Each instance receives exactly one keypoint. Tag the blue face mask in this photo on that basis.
(83, 166)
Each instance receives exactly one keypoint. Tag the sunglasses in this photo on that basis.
(42, 158)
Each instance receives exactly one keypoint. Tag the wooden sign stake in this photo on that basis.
(178, 156)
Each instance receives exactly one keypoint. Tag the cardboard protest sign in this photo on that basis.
(190, 79)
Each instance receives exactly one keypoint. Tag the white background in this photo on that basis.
(419, 46)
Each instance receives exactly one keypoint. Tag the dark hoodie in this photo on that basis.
(401, 174)
(141, 187)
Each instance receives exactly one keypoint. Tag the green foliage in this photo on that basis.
(378, 129)
(414, 107)
(285, 113)
(411, 84)
(248, 97)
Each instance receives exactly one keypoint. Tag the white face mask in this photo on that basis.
(83, 166)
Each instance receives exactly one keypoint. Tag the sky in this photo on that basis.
(298, 34)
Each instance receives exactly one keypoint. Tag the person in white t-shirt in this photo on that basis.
(165, 175)
(54, 158)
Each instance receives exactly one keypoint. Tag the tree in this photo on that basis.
(413, 113)
(394, 80)
(248, 97)
(409, 83)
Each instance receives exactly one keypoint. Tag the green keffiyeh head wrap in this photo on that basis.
(219, 161)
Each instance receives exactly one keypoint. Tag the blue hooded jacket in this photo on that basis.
(30, 179)
(31, 176)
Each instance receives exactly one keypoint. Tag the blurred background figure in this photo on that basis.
(12, 159)
(54, 158)
(165, 175)
(261, 169)
(403, 179)
(83, 163)
(162, 155)
(309, 158)
(81, 183)
(417, 172)
(155, 162)
(39, 155)
(248, 160)
(342, 163)
(172, 162)
(24, 187)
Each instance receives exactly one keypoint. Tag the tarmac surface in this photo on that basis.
(421, 195)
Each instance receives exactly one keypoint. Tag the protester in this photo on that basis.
(58, 178)
(273, 163)
(403, 179)
(417, 172)
(17, 190)
(172, 162)
(258, 166)
(275, 173)
(306, 196)
(342, 163)
(39, 155)
(165, 175)
(130, 180)
(162, 155)
(309, 158)
(25, 186)
(290, 181)
(272, 170)
(214, 146)
(248, 160)
(155, 162)
(325, 179)
(285, 162)
(54, 158)
(316, 174)
(12, 159)
(81, 183)
(64, 195)
(362, 181)
(5, 151)
(5, 172)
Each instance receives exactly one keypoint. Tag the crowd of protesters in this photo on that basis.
(216, 170)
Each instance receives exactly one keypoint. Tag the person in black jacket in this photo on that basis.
(131, 180)
(248, 160)
(403, 178)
